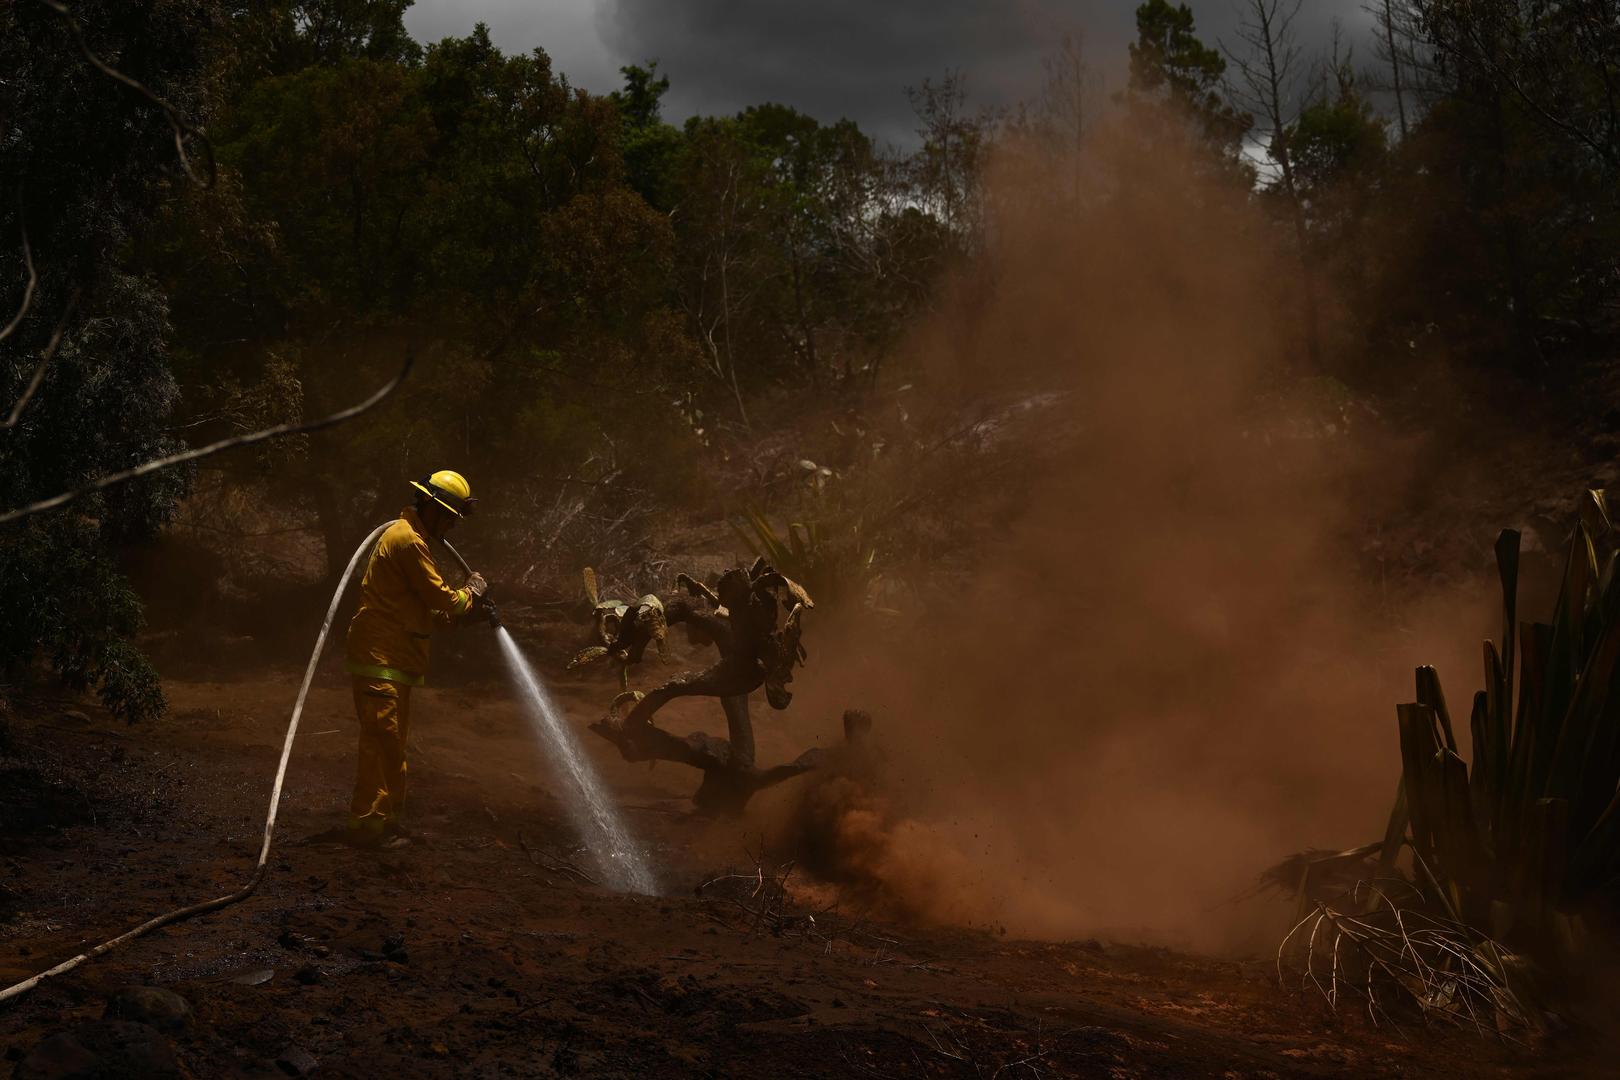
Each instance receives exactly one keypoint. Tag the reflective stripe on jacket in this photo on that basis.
(401, 597)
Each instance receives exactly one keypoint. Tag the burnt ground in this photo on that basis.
(484, 953)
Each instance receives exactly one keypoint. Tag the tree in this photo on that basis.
(1339, 149)
(823, 295)
(1555, 61)
(1527, 112)
(789, 265)
(1336, 137)
(1395, 32)
(87, 163)
(722, 243)
(648, 145)
(886, 256)
(1068, 101)
(469, 202)
(1173, 70)
(277, 37)
(1047, 137)
(1267, 70)
(947, 169)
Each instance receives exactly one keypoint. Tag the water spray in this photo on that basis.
(619, 858)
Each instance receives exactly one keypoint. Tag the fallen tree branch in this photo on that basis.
(197, 453)
(728, 783)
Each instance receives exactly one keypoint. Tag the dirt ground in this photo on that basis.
(482, 952)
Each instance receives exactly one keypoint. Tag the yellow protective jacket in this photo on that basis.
(401, 597)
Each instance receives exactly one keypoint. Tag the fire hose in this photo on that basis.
(246, 890)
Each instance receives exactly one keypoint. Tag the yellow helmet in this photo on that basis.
(450, 490)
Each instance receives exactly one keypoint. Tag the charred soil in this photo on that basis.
(484, 949)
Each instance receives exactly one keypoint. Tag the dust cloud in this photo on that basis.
(1169, 668)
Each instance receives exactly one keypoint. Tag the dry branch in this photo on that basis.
(197, 453)
(759, 901)
(1397, 959)
(554, 864)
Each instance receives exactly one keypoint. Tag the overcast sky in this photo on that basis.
(835, 58)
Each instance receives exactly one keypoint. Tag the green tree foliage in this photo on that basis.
(801, 250)
(280, 36)
(648, 145)
(834, 305)
(1530, 110)
(470, 202)
(1490, 231)
(86, 163)
(589, 286)
(1171, 68)
(602, 300)
(1336, 138)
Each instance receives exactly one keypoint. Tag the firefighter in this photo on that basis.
(402, 597)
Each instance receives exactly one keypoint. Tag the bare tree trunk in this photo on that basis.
(741, 729)
(811, 359)
(1388, 19)
(725, 338)
(1267, 74)
(334, 528)
(1530, 360)
(1066, 105)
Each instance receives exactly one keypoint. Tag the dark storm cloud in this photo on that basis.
(567, 29)
(855, 58)
(835, 58)
(832, 59)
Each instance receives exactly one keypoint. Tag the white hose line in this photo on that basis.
(269, 822)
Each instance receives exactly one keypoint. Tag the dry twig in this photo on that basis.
(760, 901)
(555, 865)
(1382, 953)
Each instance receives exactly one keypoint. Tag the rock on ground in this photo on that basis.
(100, 1049)
(163, 1009)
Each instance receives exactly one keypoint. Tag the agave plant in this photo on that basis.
(1528, 838)
(835, 565)
(1521, 846)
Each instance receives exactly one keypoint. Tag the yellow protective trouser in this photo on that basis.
(384, 711)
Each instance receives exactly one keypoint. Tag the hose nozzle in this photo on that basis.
(483, 600)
